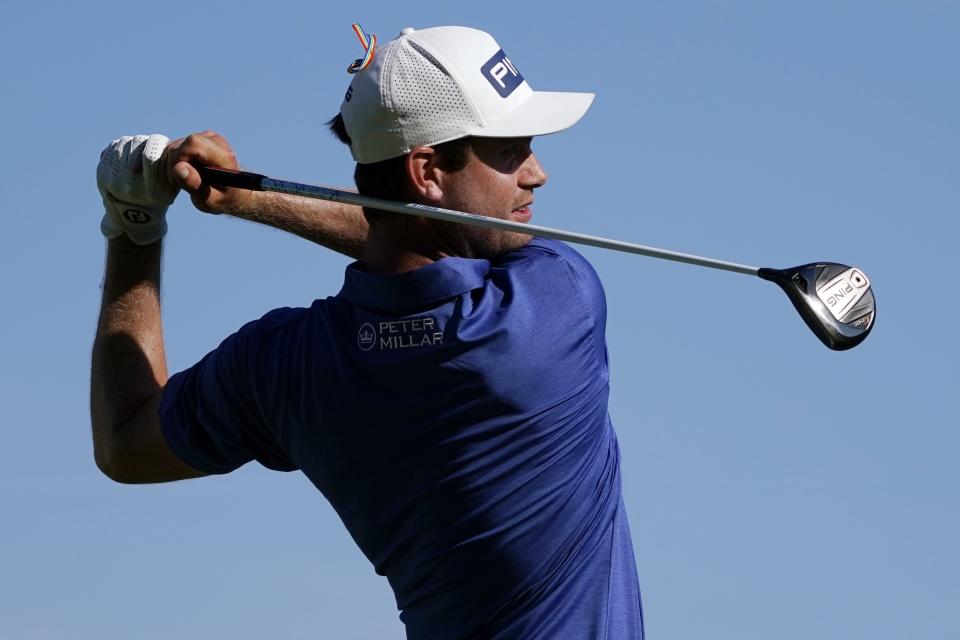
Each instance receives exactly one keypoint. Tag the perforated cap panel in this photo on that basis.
(430, 107)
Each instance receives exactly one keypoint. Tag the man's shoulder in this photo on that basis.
(543, 247)
(555, 253)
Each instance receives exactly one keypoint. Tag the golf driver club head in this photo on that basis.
(836, 301)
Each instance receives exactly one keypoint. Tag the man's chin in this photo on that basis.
(509, 242)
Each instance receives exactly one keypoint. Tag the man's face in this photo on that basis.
(498, 182)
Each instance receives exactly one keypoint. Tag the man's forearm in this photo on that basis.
(340, 227)
(129, 362)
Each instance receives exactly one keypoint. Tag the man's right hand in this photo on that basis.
(206, 148)
(340, 227)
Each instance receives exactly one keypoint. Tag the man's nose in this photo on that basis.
(532, 174)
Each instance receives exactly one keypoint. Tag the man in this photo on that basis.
(450, 401)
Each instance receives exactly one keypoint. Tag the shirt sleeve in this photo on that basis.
(587, 285)
(586, 278)
(227, 409)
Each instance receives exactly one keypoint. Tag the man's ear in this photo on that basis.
(424, 174)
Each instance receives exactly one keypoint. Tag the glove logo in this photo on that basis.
(136, 216)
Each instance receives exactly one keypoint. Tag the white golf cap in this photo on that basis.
(433, 85)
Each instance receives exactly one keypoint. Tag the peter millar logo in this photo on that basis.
(367, 337)
(405, 333)
(501, 74)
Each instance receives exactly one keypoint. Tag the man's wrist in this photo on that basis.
(124, 245)
(249, 205)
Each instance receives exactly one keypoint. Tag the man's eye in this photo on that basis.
(512, 152)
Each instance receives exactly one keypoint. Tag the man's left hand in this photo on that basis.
(134, 188)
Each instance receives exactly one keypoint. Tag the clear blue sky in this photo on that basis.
(775, 489)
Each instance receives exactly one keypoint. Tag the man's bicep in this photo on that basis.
(228, 409)
(141, 454)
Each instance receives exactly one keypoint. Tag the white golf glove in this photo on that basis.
(135, 195)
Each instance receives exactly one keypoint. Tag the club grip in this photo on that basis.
(229, 178)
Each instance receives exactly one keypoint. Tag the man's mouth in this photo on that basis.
(522, 214)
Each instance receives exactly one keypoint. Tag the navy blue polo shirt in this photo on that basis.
(456, 418)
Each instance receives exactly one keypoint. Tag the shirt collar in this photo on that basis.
(440, 280)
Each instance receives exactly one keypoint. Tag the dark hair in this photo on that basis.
(388, 178)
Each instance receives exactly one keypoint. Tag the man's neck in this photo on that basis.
(390, 250)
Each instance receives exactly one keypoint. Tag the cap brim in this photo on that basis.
(542, 113)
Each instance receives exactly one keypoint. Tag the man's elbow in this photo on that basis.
(115, 465)
(108, 466)
(137, 453)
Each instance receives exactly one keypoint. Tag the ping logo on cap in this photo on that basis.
(501, 74)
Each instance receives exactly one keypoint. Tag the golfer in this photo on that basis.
(450, 401)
